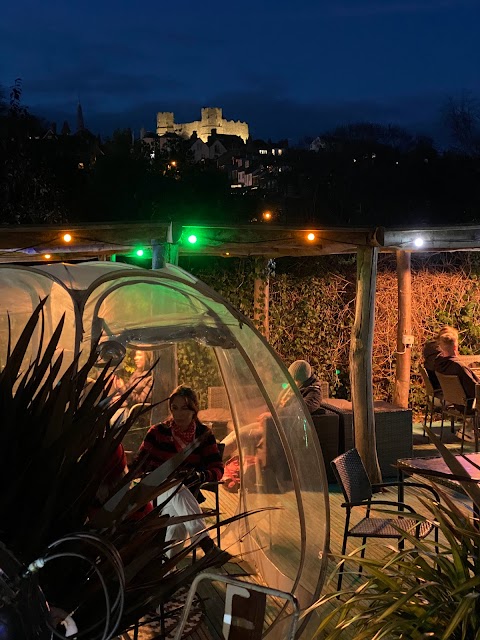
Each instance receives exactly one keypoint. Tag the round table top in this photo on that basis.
(436, 466)
(214, 415)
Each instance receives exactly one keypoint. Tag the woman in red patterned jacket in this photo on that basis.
(163, 441)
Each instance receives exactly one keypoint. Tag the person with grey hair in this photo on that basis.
(308, 384)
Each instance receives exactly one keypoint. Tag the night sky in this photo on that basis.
(288, 68)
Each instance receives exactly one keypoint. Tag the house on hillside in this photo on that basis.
(220, 143)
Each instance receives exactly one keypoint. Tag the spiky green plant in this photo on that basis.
(56, 437)
(416, 593)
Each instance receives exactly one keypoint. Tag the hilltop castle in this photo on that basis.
(212, 118)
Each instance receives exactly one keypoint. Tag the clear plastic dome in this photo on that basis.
(182, 321)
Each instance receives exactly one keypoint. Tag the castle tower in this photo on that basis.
(211, 119)
(165, 122)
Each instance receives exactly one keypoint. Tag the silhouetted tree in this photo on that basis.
(462, 118)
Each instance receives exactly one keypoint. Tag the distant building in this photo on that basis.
(318, 144)
(212, 118)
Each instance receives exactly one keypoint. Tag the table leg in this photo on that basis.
(401, 489)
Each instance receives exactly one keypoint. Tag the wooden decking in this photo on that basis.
(213, 595)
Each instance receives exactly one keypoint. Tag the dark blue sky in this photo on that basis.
(288, 68)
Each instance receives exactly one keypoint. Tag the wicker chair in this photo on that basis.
(457, 405)
(434, 401)
(358, 492)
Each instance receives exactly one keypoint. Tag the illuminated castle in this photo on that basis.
(212, 118)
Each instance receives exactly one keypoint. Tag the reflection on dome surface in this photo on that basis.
(199, 339)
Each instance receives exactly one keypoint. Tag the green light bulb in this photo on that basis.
(139, 252)
(192, 239)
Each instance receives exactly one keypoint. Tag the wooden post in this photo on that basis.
(165, 374)
(163, 252)
(404, 328)
(261, 295)
(361, 351)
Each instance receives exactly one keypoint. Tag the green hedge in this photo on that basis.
(312, 304)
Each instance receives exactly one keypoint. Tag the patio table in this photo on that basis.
(436, 467)
(217, 418)
(473, 362)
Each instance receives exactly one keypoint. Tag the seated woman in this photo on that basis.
(140, 381)
(163, 441)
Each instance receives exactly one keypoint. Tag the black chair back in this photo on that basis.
(352, 476)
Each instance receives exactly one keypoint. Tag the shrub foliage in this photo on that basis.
(312, 305)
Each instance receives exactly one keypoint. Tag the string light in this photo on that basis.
(67, 237)
(311, 237)
(47, 256)
(267, 215)
(419, 242)
(192, 239)
(139, 252)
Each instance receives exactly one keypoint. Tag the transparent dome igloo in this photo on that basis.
(201, 340)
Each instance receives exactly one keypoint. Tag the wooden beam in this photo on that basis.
(404, 328)
(29, 243)
(445, 238)
(361, 352)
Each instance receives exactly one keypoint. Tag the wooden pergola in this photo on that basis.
(164, 242)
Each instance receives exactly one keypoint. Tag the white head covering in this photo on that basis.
(300, 370)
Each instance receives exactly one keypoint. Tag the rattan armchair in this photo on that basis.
(358, 492)
(457, 405)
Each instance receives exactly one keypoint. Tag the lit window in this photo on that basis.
(263, 152)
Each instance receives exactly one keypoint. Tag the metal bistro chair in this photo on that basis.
(434, 401)
(358, 492)
(213, 487)
(245, 605)
(457, 405)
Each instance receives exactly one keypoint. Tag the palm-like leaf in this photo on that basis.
(55, 440)
(415, 593)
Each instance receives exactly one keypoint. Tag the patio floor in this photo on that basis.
(213, 596)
